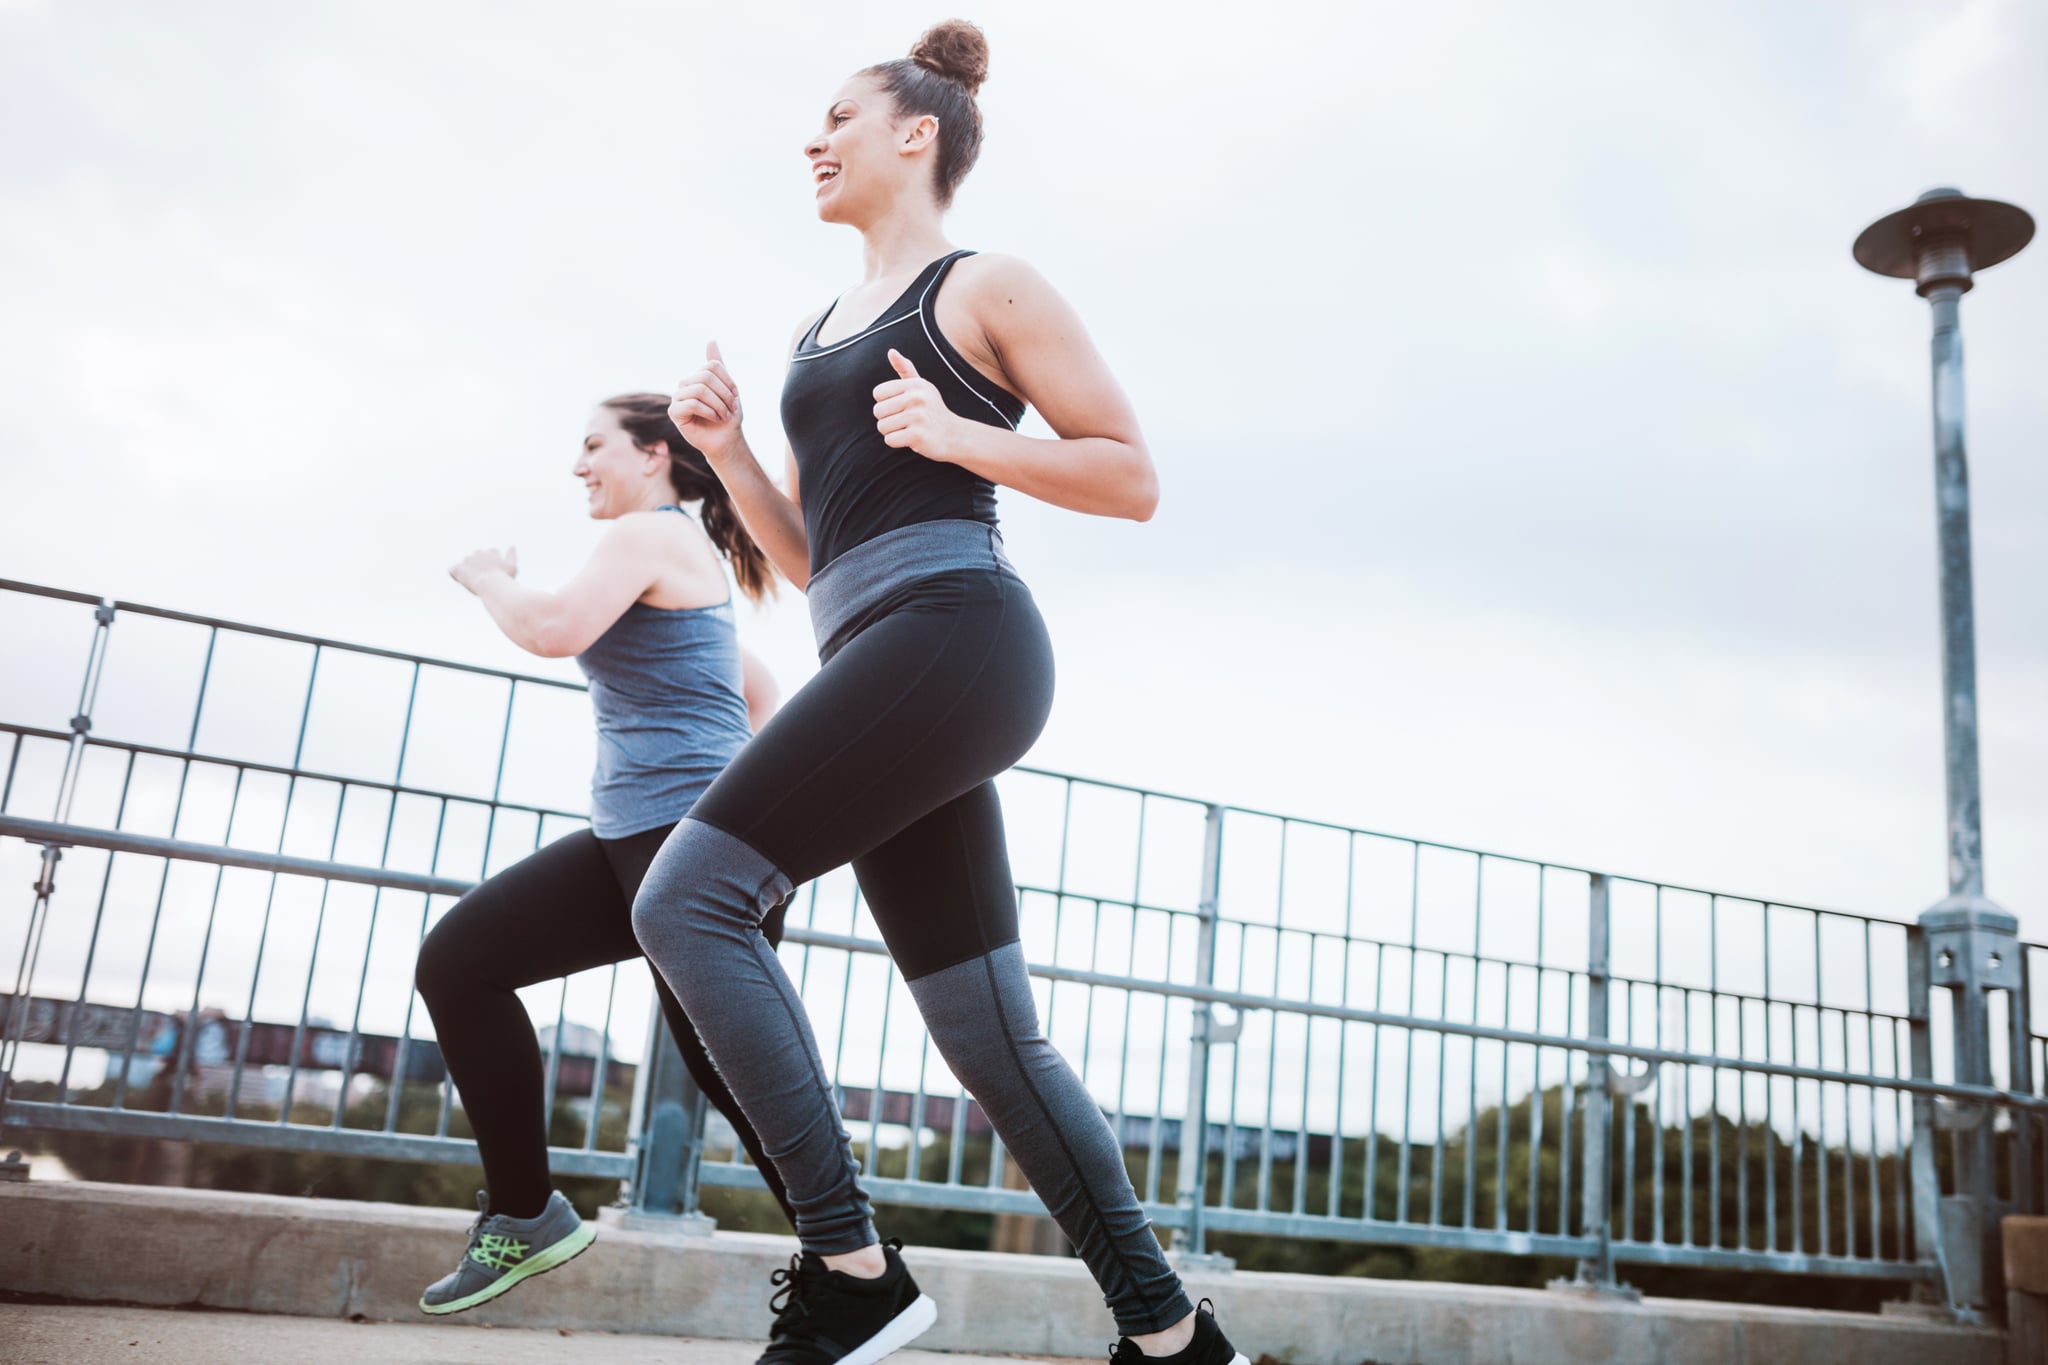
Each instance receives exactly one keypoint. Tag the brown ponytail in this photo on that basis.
(644, 417)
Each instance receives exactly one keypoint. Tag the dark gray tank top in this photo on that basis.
(666, 687)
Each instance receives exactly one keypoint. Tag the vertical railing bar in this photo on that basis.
(1797, 1191)
(1308, 1041)
(177, 817)
(1627, 1230)
(1408, 1036)
(1265, 1176)
(1088, 997)
(13, 760)
(1191, 1166)
(956, 1158)
(248, 1022)
(1472, 1051)
(1227, 1196)
(554, 1068)
(1870, 1057)
(1123, 1053)
(1770, 1117)
(99, 916)
(1820, 1106)
(1902, 1170)
(1536, 1101)
(875, 1096)
(355, 1026)
(1372, 1116)
(1066, 828)
(498, 783)
(177, 813)
(1567, 1105)
(1597, 1142)
(156, 920)
(998, 1154)
(915, 1170)
(45, 887)
(199, 702)
(1156, 1157)
(1742, 1083)
(604, 1056)
(1131, 956)
(245, 1027)
(188, 1035)
(1263, 1193)
(1659, 1227)
(399, 1061)
(1685, 1005)
(1443, 1049)
(1848, 1150)
(1500, 1142)
(1343, 1035)
(291, 1083)
(1714, 1071)
(839, 1033)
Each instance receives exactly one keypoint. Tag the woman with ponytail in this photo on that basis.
(650, 622)
(901, 404)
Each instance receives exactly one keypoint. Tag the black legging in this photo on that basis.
(566, 908)
(887, 758)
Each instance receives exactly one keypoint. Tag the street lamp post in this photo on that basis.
(1967, 944)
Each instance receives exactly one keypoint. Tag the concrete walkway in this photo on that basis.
(341, 1263)
(73, 1335)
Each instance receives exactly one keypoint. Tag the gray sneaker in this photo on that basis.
(503, 1251)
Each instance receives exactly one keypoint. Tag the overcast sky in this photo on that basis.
(1540, 472)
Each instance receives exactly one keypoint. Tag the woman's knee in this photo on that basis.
(703, 888)
(443, 966)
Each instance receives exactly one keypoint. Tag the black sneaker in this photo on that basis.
(1209, 1346)
(827, 1317)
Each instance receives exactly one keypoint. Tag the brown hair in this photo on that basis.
(644, 417)
(939, 77)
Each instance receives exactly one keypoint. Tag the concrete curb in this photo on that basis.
(321, 1258)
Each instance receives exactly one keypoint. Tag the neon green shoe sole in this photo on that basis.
(568, 1249)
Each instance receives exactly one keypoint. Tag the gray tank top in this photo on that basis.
(665, 685)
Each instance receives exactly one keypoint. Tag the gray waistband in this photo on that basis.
(870, 571)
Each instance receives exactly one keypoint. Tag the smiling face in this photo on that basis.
(618, 476)
(865, 156)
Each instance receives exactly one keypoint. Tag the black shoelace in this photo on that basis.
(790, 1301)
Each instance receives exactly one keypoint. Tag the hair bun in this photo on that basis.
(956, 50)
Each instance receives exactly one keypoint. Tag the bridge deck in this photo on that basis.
(65, 1334)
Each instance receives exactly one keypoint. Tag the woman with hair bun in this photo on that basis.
(901, 404)
(649, 620)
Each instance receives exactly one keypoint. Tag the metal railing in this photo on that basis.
(239, 837)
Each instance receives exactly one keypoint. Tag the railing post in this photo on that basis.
(667, 1134)
(1596, 1272)
(1927, 1248)
(1972, 948)
(46, 880)
(2026, 1195)
(1193, 1190)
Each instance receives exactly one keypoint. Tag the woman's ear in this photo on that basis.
(921, 133)
(657, 455)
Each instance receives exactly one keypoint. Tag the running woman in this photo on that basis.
(901, 404)
(650, 622)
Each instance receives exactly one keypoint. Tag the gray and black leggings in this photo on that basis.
(937, 676)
